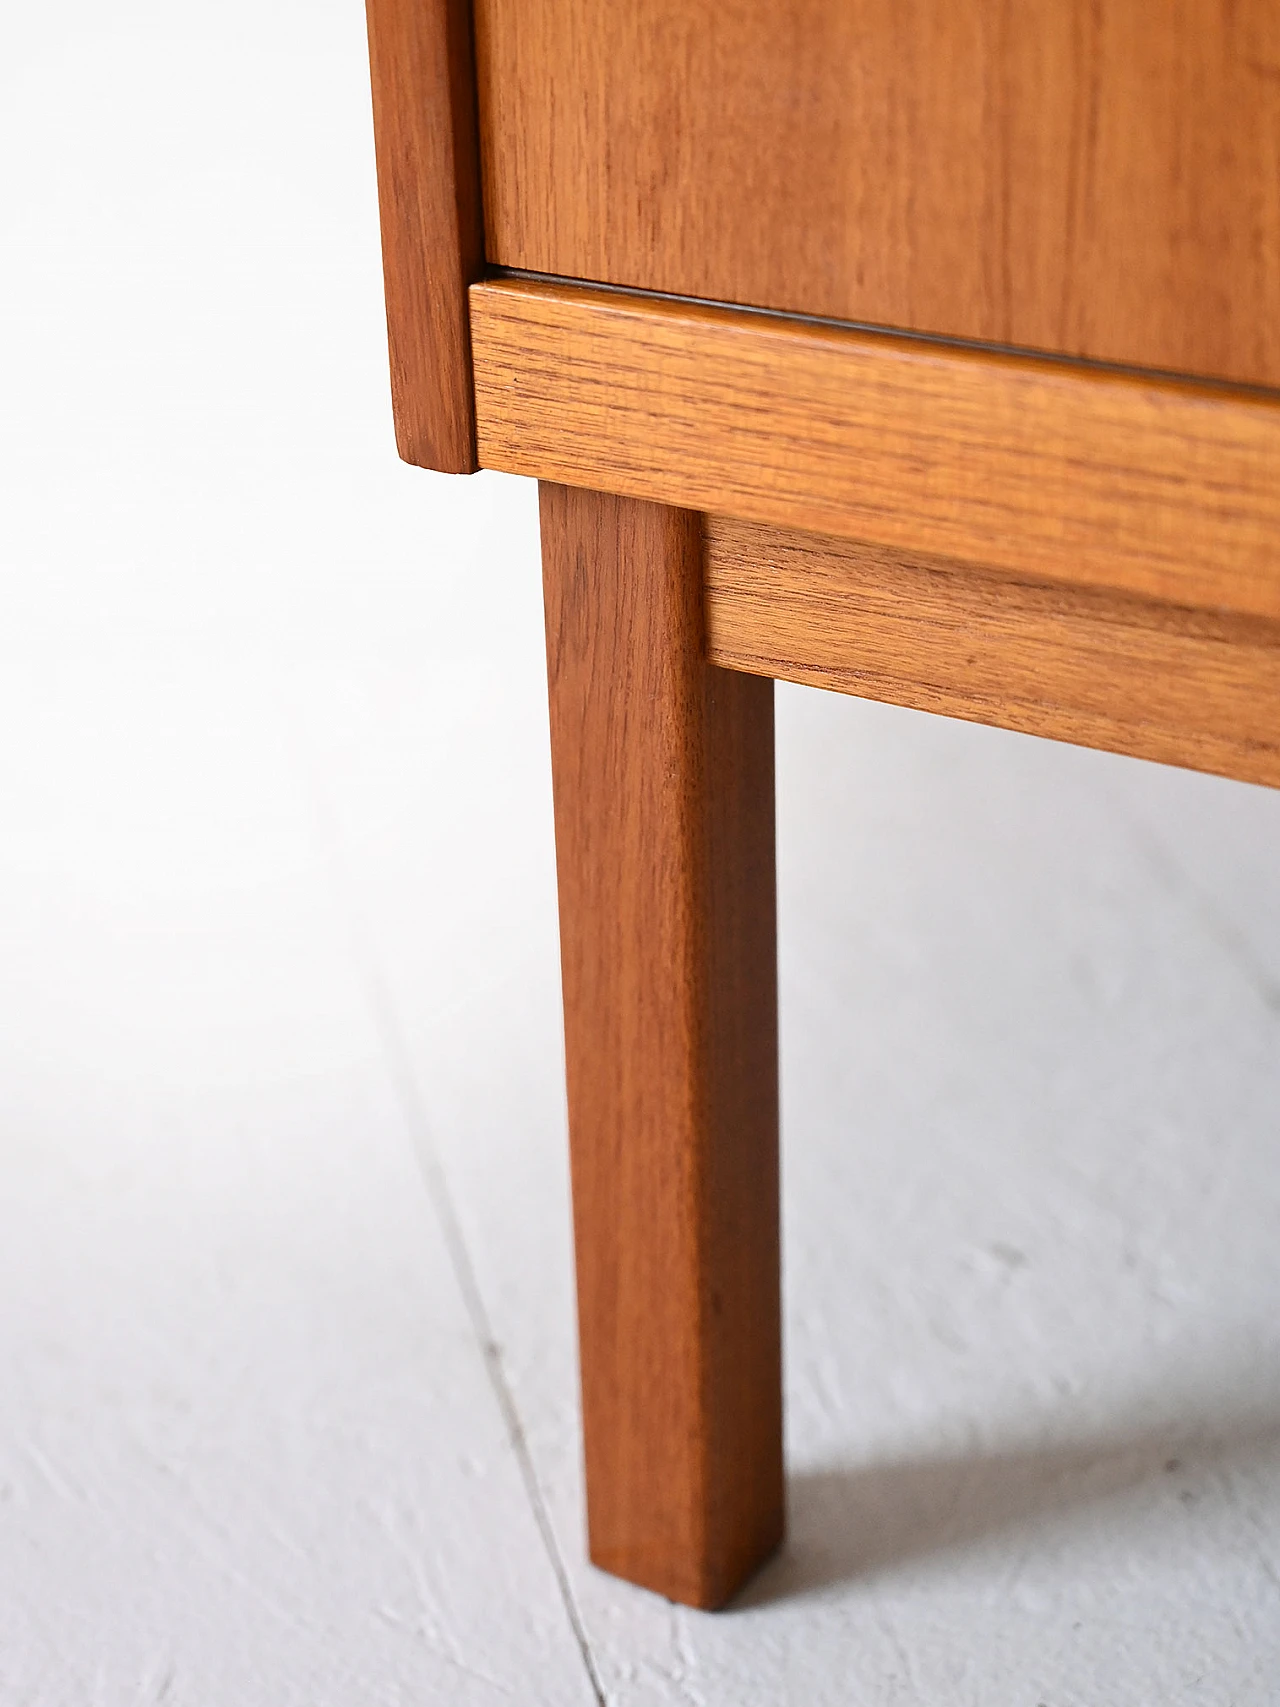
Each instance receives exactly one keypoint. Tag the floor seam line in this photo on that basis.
(404, 1084)
(442, 1204)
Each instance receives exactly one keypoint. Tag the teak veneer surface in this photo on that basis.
(1050, 470)
(1075, 551)
(663, 774)
(1078, 664)
(424, 123)
(1094, 177)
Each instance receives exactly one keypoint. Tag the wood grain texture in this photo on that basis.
(1097, 668)
(663, 772)
(1095, 177)
(424, 120)
(1051, 470)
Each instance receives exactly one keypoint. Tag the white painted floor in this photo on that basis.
(287, 1387)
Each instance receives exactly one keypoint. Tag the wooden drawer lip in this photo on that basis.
(1164, 488)
(634, 295)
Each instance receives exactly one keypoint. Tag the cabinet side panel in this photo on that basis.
(1097, 180)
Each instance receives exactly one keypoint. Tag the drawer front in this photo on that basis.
(1099, 178)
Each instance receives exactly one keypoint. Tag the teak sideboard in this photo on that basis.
(927, 350)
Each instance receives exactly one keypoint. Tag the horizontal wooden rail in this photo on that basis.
(1099, 668)
(1160, 488)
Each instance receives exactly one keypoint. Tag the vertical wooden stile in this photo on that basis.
(421, 62)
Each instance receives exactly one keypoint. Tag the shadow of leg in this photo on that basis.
(850, 1522)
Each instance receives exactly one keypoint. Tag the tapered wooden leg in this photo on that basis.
(665, 850)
